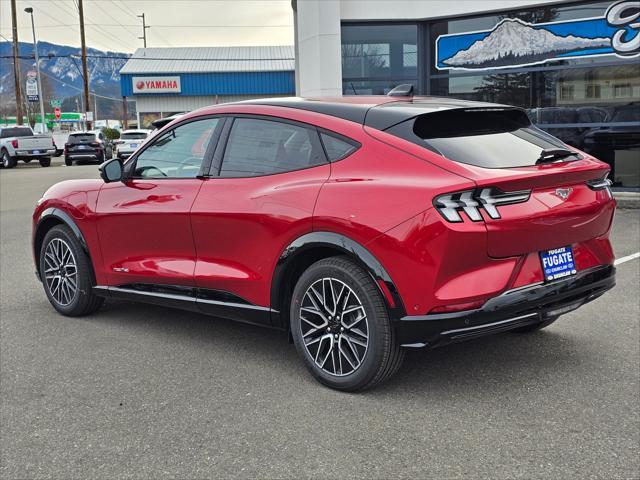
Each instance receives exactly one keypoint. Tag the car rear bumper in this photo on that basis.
(32, 153)
(512, 309)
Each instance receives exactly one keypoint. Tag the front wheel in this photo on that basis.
(68, 162)
(65, 270)
(341, 327)
(45, 162)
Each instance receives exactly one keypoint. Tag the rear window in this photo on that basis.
(81, 138)
(500, 138)
(133, 136)
(16, 132)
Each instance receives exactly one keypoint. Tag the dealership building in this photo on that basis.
(165, 81)
(574, 66)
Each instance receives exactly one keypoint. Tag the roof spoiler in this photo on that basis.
(403, 90)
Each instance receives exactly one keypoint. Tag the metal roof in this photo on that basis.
(211, 59)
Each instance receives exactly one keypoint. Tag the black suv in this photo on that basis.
(90, 145)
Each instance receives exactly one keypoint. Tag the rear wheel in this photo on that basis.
(7, 160)
(67, 161)
(45, 162)
(534, 327)
(341, 328)
(65, 270)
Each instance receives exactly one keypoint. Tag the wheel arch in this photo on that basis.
(314, 246)
(49, 218)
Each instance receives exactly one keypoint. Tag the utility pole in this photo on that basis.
(85, 75)
(43, 121)
(144, 30)
(16, 62)
(125, 120)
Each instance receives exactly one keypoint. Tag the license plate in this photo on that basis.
(82, 147)
(36, 152)
(134, 145)
(558, 263)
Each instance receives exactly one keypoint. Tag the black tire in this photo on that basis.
(83, 301)
(534, 327)
(45, 162)
(67, 161)
(382, 354)
(7, 160)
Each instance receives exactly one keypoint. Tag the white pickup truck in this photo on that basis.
(20, 143)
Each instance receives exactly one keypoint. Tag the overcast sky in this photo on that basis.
(113, 25)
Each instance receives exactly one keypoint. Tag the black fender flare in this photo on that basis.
(347, 246)
(60, 216)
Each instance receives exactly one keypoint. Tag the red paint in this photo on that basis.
(228, 234)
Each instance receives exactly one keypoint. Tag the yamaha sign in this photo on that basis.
(156, 84)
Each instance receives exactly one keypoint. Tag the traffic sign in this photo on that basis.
(55, 102)
(57, 112)
(32, 74)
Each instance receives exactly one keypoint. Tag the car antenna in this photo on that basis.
(403, 90)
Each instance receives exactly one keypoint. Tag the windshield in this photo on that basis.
(16, 132)
(133, 136)
(82, 138)
(499, 138)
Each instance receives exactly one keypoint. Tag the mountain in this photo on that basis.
(513, 42)
(61, 75)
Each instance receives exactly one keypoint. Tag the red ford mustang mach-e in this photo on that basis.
(359, 225)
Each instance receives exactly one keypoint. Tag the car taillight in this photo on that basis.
(472, 201)
(14, 143)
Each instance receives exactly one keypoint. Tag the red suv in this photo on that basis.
(358, 225)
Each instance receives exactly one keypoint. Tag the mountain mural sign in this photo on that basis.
(515, 43)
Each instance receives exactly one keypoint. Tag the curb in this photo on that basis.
(627, 199)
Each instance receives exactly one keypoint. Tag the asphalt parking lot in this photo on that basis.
(136, 391)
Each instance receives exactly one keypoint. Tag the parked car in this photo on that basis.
(361, 226)
(128, 142)
(91, 145)
(20, 143)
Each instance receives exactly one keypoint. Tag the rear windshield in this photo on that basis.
(82, 138)
(133, 136)
(16, 132)
(501, 138)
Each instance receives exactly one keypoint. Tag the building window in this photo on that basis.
(592, 90)
(622, 90)
(566, 92)
(377, 58)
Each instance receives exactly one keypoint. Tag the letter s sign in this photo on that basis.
(625, 14)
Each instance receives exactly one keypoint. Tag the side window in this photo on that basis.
(177, 153)
(263, 147)
(336, 148)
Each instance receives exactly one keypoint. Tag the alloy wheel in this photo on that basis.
(334, 327)
(61, 271)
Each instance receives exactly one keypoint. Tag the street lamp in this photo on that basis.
(29, 10)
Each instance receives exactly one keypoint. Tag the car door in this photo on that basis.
(143, 221)
(266, 176)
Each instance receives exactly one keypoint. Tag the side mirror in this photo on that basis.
(111, 171)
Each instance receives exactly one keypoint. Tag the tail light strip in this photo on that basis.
(472, 201)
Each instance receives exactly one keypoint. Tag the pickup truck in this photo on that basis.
(20, 143)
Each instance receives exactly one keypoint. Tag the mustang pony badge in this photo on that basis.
(563, 193)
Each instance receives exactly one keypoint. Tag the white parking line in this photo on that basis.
(633, 256)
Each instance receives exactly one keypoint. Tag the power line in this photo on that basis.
(124, 57)
(115, 99)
